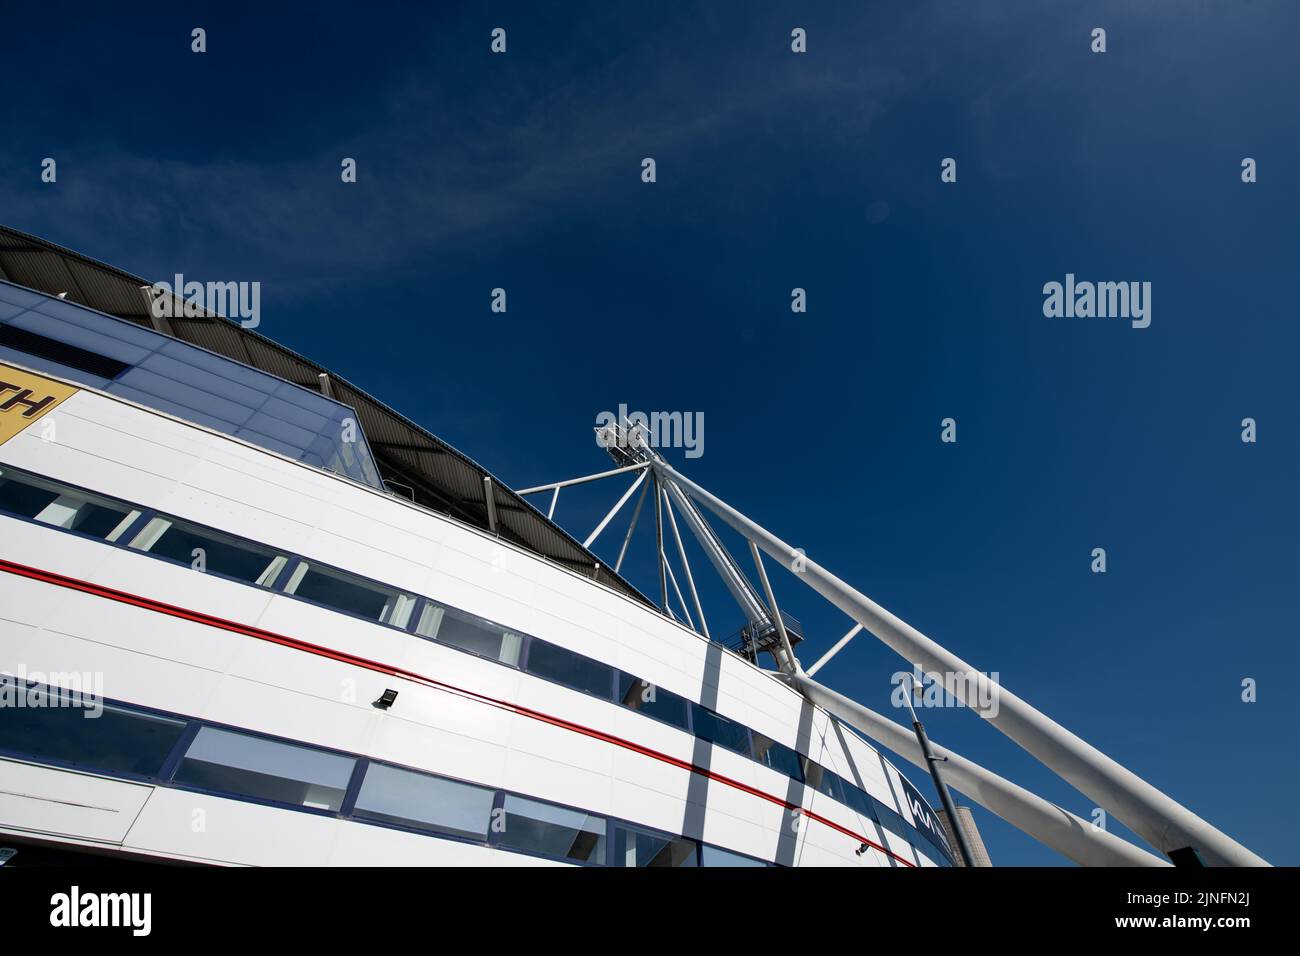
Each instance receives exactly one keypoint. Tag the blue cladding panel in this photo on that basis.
(207, 377)
(192, 383)
(69, 313)
(174, 395)
(20, 296)
(91, 340)
(224, 367)
(294, 415)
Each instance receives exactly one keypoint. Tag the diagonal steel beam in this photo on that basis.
(686, 565)
(614, 510)
(1047, 823)
(1156, 817)
(631, 528)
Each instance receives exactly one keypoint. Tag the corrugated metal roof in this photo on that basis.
(439, 476)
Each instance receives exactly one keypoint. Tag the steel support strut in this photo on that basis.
(631, 529)
(614, 510)
(659, 547)
(1047, 823)
(1156, 817)
(746, 597)
(686, 565)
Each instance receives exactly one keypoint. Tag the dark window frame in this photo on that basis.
(633, 828)
(188, 729)
(328, 570)
(143, 521)
(425, 602)
(620, 700)
(350, 811)
(263, 801)
(749, 733)
(494, 835)
(84, 535)
(611, 694)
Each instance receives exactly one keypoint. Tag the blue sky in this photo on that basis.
(821, 171)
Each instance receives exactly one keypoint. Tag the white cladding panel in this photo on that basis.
(46, 802)
(141, 456)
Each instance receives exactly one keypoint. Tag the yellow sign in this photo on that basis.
(26, 397)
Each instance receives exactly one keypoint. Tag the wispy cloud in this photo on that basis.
(437, 169)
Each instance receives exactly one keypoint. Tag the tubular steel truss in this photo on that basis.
(1160, 820)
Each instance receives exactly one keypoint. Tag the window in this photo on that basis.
(552, 831)
(720, 730)
(572, 670)
(408, 798)
(714, 856)
(265, 769)
(469, 633)
(777, 756)
(117, 741)
(633, 847)
(858, 800)
(351, 594)
(823, 781)
(220, 553)
(890, 819)
(645, 697)
(54, 504)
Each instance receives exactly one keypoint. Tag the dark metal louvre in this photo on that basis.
(61, 352)
(414, 462)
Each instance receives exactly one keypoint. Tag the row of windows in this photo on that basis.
(227, 762)
(39, 499)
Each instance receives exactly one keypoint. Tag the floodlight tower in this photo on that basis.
(766, 630)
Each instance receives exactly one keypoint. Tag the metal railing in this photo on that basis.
(754, 639)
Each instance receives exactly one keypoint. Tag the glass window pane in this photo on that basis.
(645, 697)
(572, 670)
(351, 594)
(118, 740)
(412, 799)
(858, 799)
(55, 504)
(221, 554)
(179, 397)
(265, 769)
(634, 847)
(778, 756)
(22, 497)
(720, 730)
(469, 633)
(714, 856)
(890, 819)
(823, 781)
(553, 831)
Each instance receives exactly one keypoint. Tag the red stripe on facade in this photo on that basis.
(246, 630)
